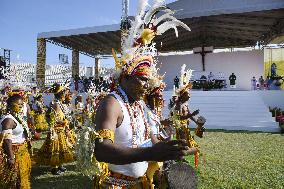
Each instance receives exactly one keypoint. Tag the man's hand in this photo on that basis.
(195, 112)
(171, 150)
(166, 122)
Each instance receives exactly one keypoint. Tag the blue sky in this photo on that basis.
(22, 20)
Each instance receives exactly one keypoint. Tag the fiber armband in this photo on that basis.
(106, 134)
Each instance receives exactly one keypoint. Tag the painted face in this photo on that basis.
(68, 98)
(160, 101)
(62, 98)
(88, 100)
(17, 106)
(80, 99)
(25, 98)
(185, 97)
(138, 85)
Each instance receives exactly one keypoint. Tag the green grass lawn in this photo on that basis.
(227, 160)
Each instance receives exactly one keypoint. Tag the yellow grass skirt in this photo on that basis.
(99, 181)
(55, 152)
(40, 121)
(17, 176)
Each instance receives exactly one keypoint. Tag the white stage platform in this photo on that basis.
(233, 110)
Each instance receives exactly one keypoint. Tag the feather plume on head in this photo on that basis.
(137, 45)
(185, 77)
(56, 88)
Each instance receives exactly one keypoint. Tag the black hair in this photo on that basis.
(13, 99)
(59, 95)
(38, 97)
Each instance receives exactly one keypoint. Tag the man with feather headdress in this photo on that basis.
(124, 134)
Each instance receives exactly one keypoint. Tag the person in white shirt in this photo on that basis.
(16, 156)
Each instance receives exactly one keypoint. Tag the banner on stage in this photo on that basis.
(274, 63)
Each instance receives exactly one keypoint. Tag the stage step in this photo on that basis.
(230, 110)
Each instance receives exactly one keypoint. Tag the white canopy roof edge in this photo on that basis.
(79, 31)
(193, 8)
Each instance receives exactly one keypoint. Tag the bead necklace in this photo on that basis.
(24, 124)
(133, 112)
(154, 117)
(61, 108)
(60, 105)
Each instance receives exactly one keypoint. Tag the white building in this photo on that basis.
(58, 73)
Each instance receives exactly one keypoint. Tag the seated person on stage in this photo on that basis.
(125, 136)
(261, 83)
(203, 77)
(210, 76)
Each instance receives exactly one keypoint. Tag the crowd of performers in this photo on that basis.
(24, 117)
(120, 139)
(63, 121)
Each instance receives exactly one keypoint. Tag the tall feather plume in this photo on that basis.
(166, 16)
(176, 31)
(189, 74)
(182, 72)
(142, 4)
(137, 41)
(171, 24)
(149, 15)
(136, 25)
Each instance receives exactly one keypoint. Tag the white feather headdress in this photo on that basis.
(137, 41)
(185, 76)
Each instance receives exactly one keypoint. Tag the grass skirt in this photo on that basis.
(55, 152)
(17, 176)
(143, 183)
(40, 121)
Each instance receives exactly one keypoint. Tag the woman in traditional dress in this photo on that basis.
(154, 103)
(39, 114)
(55, 151)
(88, 112)
(68, 112)
(15, 157)
(79, 107)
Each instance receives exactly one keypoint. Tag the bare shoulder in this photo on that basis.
(109, 105)
(8, 123)
(55, 106)
(108, 113)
